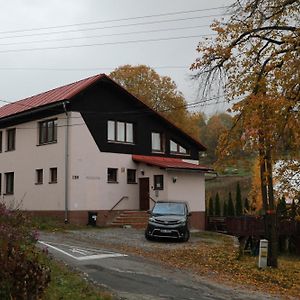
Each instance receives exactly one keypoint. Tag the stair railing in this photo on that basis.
(124, 197)
(152, 199)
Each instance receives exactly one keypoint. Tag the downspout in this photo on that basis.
(66, 163)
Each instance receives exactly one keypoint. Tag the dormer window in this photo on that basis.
(175, 148)
(157, 142)
(120, 132)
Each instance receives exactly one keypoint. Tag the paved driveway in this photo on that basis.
(133, 277)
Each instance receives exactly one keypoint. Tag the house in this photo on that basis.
(92, 147)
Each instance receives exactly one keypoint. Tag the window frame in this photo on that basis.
(178, 146)
(44, 140)
(9, 184)
(53, 175)
(116, 125)
(115, 177)
(11, 139)
(156, 180)
(161, 141)
(129, 181)
(39, 176)
(1, 141)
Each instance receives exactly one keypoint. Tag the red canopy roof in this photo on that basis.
(168, 163)
(61, 93)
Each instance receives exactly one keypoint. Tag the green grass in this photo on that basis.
(54, 224)
(67, 284)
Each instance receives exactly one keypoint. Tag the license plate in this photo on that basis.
(166, 231)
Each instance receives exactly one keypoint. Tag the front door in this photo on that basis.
(144, 193)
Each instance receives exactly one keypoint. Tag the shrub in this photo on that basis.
(22, 275)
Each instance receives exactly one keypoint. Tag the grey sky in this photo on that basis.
(21, 74)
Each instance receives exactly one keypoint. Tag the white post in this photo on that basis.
(263, 253)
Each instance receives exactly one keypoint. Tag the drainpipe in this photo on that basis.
(66, 163)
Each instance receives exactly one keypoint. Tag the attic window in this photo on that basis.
(121, 132)
(157, 142)
(175, 148)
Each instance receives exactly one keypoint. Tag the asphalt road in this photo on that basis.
(135, 278)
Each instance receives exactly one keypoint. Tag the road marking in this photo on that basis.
(83, 251)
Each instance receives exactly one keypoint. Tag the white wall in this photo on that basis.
(87, 181)
(25, 159)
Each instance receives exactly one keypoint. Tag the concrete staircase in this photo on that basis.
(131, 218)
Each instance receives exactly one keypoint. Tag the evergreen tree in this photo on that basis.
(230, 206)
(246, 205)
(238, 201)
(225, 209)
(217, 205)
(210, 207)
(281, 207)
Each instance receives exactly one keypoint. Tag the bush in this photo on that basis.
(22, 275)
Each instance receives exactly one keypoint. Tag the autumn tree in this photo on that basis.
(256, 56)
(212, 130)
(160, 93)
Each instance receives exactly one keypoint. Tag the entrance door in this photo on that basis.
(144, 193)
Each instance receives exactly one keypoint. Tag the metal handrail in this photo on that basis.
(118, 202)
(152, 199)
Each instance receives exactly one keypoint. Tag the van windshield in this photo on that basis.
(177, 209)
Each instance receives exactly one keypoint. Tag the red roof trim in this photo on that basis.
(65, 92)
(168, 163)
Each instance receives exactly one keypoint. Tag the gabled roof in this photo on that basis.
(56, 95)
(169, 163)
(68, 91)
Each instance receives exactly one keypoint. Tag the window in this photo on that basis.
(112, 175)
(53, 175)
(11, 139)
(131, 176)
(39, 176)
(158, 182)
(157, 142)
(177, 149)
(47, 132)
(119, 132)
(0, 141)
(9, 183)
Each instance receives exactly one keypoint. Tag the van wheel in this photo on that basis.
(148, 237)
(186, 236)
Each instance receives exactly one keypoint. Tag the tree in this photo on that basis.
(225, 209)
(281, 207)
(217, 205)
(256, 56)
(238, 201)
(210, 132)
(160, 93)
(210, 207)
(231, 209)
(246, 206)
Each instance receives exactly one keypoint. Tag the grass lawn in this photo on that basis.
(67, 284)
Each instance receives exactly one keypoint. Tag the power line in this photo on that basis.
(100, 44)
(114, 20)
(112, 26)
(81, 69)
(108, 35)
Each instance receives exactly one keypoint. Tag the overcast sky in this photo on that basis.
(107, 43)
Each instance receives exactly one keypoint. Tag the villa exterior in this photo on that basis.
(91, 146)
